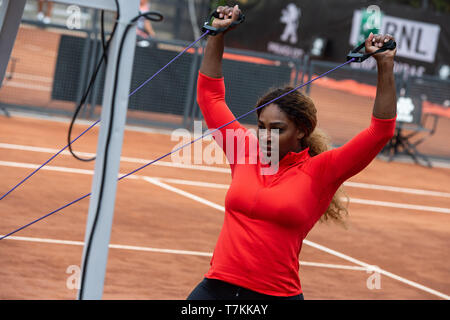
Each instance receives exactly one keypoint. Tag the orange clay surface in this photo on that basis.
(411, 244)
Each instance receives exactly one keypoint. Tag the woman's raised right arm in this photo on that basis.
(211, 89)
(212, 60)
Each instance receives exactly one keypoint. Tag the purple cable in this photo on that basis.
(178, 55)
(54, 156)
(185, 145)
(43, 217)
(240, 117)
(143, 84)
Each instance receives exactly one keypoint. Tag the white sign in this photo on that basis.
(405, 109)
(290, 16)
(285, 50)
(415, 40)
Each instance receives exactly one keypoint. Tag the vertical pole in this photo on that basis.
(10, 16)
(97, 82)
(92, 57)
(304, 66)
(95, 259)
(179, 15)
(189, 102)
(84, 65)
(297, 71)
(310, 72)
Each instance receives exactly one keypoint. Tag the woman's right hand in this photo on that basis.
(226, 16)
(212, 59)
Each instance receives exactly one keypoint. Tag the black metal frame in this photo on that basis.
(402, 142)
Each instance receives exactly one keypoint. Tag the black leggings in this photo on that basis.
(212, 289)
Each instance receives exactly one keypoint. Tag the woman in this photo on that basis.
(144, 29)
(268, 215)
(41, 16)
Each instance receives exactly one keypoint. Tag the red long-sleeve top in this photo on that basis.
(268, 216)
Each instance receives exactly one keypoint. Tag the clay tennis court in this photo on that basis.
(167, 220)
(168, 216)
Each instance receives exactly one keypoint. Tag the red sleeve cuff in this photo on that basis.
(202, 75)
(383, 127)
(384, 120)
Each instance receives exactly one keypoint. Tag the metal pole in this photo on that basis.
(94, 261)
(178, 18)
(97, 4)
(92, 57)
(310, 71)
(10, 14)
(97, 83)
(297, 71)
(98, 80)
(84, 65)
(189, 102)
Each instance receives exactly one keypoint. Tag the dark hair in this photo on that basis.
(299, 108)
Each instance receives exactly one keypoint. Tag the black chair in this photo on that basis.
(5, 111)
(410, 124)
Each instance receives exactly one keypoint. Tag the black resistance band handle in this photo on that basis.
(153, 16)
(360, 57)
(215, 31)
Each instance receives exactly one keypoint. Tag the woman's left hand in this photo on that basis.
(375, 42)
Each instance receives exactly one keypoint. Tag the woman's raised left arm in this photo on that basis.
(337, 165)
(385, 106)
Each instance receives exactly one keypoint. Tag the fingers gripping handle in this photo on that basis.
(360, 57)
(207, 27)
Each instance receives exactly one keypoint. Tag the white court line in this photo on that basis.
(397, 189)
(386, 273)
(315, 245)
(157, 182)
(45, 168)
(398, 205)
(91, 172)
(225, 170)
(336, 266)
(184, 193)
(15, 84)
(126, 159)
(83, 122)
(172, 251)
(113, 246)
(219, 186)
(31, 77)
(196, 183)
(435, 162)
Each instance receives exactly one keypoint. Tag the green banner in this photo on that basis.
(371, 18)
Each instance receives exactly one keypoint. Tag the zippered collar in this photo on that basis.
(290, 159)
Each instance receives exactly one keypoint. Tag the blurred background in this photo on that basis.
(280, 43)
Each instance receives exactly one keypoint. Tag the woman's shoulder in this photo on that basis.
(317, 164)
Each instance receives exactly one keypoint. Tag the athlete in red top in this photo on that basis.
(267, 216)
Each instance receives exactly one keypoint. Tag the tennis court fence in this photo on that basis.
(51, 65)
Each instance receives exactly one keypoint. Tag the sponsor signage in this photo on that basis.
(415, 40)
